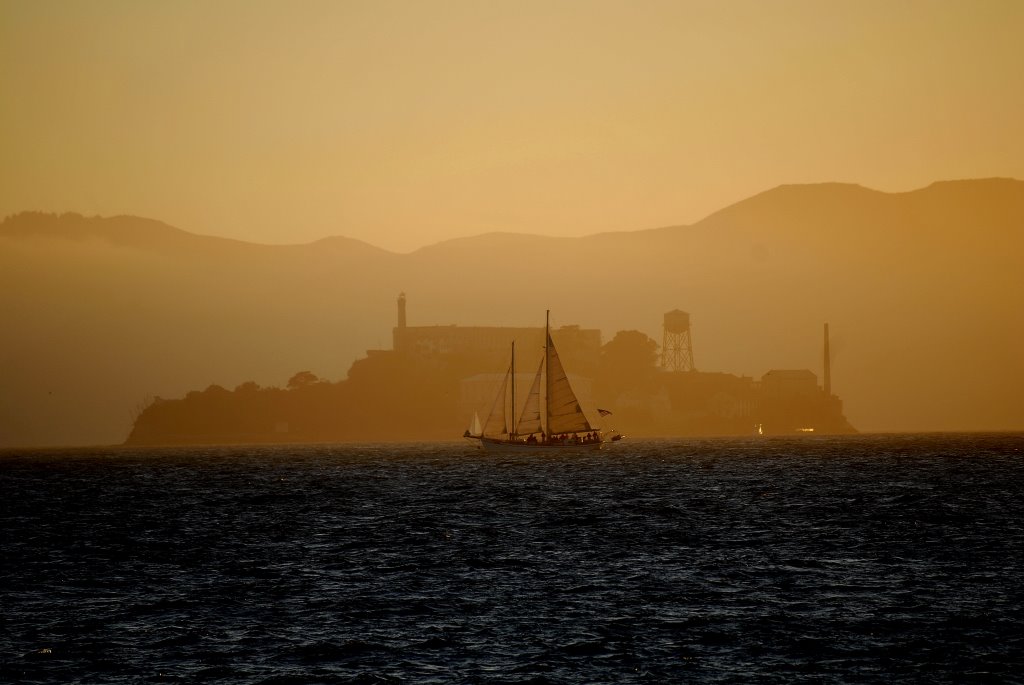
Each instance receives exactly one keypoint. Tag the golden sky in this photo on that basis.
(406, 123)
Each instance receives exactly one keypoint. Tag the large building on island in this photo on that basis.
(484, 353)
(432, 342)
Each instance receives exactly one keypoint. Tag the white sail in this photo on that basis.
(495, 425)
(475, 428)
(563, 409)
(529, 420)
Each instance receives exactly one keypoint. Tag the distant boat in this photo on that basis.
(556, 423)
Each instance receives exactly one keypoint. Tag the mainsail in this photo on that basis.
(563, 409)
(495, 424)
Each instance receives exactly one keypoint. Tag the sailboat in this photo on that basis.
(557, 422)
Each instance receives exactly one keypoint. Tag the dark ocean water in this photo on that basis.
(861, 559)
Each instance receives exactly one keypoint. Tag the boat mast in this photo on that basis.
(547, 376)
(512, 432)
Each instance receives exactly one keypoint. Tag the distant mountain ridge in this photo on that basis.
(124, 231)
(921, 289)
(139, 232)
(143, 233)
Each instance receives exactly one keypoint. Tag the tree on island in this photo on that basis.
(302, 379)
(628, 361)
(628, 377)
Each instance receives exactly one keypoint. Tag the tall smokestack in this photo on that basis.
(398, 334)
(828, 366)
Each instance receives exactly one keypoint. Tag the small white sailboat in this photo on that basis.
(475, 428)
(557, 422)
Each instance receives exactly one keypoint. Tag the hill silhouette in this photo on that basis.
(921, 290)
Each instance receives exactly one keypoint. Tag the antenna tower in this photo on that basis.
(828, 367)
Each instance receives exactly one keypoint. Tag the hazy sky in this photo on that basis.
(405, 123)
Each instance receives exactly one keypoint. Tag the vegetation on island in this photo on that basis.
(383, 398)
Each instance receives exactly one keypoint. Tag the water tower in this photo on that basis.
(676, 347)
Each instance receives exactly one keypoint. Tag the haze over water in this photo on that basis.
(889, 558)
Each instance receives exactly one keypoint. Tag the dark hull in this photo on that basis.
(495, 445)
